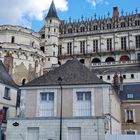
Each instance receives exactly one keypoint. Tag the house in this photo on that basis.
(130, 108)
(8, 96)
(68, 103)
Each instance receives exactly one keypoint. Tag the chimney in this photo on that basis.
(115, 12)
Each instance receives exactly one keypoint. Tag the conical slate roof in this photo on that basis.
(72, 73)
(52, 11)
(5, 78)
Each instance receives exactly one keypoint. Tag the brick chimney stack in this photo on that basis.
(115, 11)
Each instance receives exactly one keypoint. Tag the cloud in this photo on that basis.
(21, 12)
(95, 2)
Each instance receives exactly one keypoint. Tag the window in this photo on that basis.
(137, 41)
(132, 76)
(130, 132)
(137, 22)
(109, 26)
(33, 133)
(82, 47)
(109, 44)
(122, 24)
(13, 39)
(101, 77)
(48, 59)
(138, 56)
(7, 93)
(47, 104)
(42, 49)
(108, 77)
(53, 53)
(83, 104)
(59, 49)
(74, 133)
(95, 27)
(130, 96)
(124, 76)
(69, 48)
(70, 30)
(82, 29)
(95, 45)
(50, 21)
(5, 113)
(42, 36)
(129, 116)
(123, 43)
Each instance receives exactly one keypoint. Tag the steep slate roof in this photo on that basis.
(72, 73)
(52, 11)
(5, 78)
(130, 89)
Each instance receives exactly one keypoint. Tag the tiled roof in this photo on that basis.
(132, 88)
(5, 78)
(52, 11)
(72, 73)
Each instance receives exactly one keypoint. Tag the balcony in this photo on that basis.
(116, 63)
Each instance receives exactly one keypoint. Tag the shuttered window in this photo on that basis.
(33, 133)
(83, 104)
(46, 104)
(74, 133)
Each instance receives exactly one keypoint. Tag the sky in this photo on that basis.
(31, 13)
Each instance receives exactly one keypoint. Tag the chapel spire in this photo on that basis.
(52, 11)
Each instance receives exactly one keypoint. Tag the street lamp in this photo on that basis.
(61, 103)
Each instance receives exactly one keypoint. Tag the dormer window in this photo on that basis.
(95, 27)
(82, 29)
(122, 24)
(137, 22)
(70, 30)
(109, 26)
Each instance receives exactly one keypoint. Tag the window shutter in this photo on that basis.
(134, 117)
(125, 115)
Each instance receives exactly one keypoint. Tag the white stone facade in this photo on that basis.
(49, 128)
(22, 46)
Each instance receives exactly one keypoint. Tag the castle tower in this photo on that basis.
(51, 37)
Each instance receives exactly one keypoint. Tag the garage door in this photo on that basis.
(74, 133)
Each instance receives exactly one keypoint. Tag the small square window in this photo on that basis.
(88, 96)
(101, 77)
(130, 132)
(79, 96)
(130, 96)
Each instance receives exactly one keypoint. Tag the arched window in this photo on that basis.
(82, 61)
(110, 59)
(124, 58)
(23, 81)
(96, 60)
